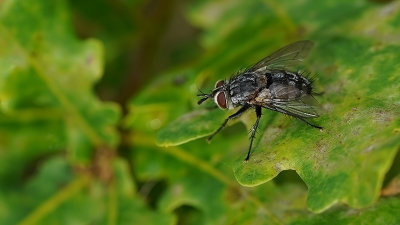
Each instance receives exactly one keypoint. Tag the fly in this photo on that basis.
(268, 84)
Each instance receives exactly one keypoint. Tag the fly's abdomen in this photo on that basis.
(288, 85)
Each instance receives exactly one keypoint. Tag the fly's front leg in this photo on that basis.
(255, 126)
(233, 116)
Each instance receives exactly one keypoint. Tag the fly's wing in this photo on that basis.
(303, 107)
(288, 56)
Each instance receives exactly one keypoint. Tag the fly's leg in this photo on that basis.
(258, 114)
(308, 123)
(233, 116)
(299, 118)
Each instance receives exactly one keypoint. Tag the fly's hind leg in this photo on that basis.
(233, 116)
(308, 123)
(255, 126)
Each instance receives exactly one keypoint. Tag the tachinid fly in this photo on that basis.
(268, 84)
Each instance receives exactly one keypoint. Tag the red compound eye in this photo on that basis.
(220, 100)
(219, 83)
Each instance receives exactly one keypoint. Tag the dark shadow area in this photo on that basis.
(151, 191)
(141, 40)
(394, 169)
(188, 215)
(289, 177)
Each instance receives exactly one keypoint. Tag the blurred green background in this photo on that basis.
(99, 122)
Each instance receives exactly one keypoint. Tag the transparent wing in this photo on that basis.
(296, 107)
(288, 56)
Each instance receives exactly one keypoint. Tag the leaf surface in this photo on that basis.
(357, 73)
(46, 82)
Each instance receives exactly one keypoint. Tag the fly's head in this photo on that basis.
(220, 95)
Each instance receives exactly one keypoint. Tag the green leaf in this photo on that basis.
(360, 131)
(204, 190)
(153, 108)
(384, 212)
(190, 126)
(46, 82)
(197, 184)
(357, 73)
(55, 196)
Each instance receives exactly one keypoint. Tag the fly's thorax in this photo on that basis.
(245, 87)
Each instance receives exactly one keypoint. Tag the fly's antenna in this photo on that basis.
(203, 96)
(202, 100)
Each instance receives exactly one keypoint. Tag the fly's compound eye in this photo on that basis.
(220, 100)
(219, 83)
